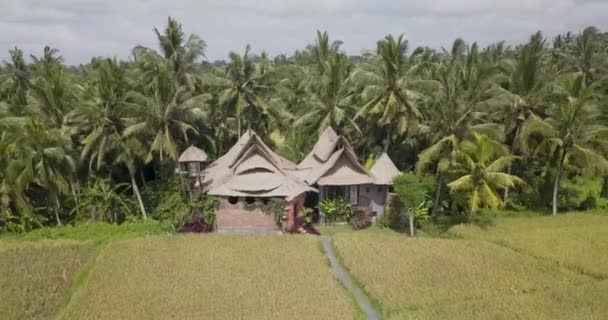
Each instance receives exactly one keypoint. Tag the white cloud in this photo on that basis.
(83, 29)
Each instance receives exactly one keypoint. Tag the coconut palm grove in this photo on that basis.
(496, 208)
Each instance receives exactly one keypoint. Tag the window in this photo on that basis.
(233, 200)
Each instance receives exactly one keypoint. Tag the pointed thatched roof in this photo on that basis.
(384, 170)
(193, 154)
(332, 161)
(251, 169)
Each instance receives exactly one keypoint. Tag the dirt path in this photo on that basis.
(344, 278)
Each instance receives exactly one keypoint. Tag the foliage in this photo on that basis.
(541, 106)
(277, 207)
(413, 190)
(336, 210)
(100, 201)
(361, 219)
(306, 216)
(479, 166)
(188, 270)
(182, 214)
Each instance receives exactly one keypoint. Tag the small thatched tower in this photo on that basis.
(192, 161)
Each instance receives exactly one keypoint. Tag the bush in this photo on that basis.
(277, 208)
(336, 210)
(393, 217)
(361, 219)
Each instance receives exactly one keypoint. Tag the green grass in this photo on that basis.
(576, 240)
(97, 232)
(511, 268)
(211, 276)
(36, 278)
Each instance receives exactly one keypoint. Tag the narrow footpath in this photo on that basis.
(344, 278)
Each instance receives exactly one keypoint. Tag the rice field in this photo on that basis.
(211, 277)
(576, 240)
(35, 278)
(429, 278)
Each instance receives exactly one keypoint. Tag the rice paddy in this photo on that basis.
(35, 278)
(212, 277)
(480, 277)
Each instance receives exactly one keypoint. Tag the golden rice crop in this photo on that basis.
(211, 277)
(35, 278)
(404, 275)
(583, 302)
(576, 240)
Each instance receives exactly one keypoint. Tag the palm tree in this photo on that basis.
(53, 94)
(480, 165)
(323, 50)
(523, 93)
(164, 112)
(129, 153)
(333, 105)
(245, 94)
(182, 54)
(573, 133)
(453, 113)
(44, 160)
(388, 94)
(100, 114)
(15, 82)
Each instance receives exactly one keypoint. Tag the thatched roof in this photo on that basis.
(332, 161)
(251, 169)
(384, 170)
(193, 154)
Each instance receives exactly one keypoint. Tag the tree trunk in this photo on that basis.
(238, 122)
(557, 179)
(138, 196)
(506, 192)
(437, 195)
(555, 192)
(411, 217)
(57, 210)
(387, 139)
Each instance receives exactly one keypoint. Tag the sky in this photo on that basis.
(82, 29)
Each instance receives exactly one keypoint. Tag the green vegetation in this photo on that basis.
(542, 268)
(336, 210)
(212, 276)
(481, 120)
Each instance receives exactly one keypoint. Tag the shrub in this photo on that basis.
(393, 217)
(336, 210)
(102, 201)
(361, 219)
(277, 208)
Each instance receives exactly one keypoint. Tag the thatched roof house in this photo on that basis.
(332, 161)
(252, 169)
(384, 170)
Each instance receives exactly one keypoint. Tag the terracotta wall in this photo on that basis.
(292, 208)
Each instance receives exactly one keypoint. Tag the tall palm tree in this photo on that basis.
(15, 82)
(45, 160)
(573, 133)
(130, 152)
(245, 94)
(454, 111)
(388, 95)
(182, 54)
(102, 108)
(481, 165)
(323, 50)
(333, 105)
(164, 113)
